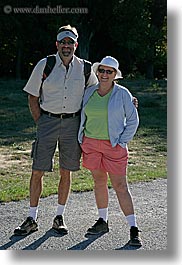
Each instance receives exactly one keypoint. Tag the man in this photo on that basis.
(57, 116)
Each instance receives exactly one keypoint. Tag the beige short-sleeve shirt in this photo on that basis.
(63, 90)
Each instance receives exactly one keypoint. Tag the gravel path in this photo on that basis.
(150, 200)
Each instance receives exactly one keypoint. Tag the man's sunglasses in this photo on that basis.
(102, 71)
(64, 42)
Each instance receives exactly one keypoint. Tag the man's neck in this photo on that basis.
(66, 61)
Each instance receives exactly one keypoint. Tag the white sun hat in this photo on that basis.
(111, 62)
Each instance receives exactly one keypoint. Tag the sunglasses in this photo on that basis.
(63, 42)
(102, 71)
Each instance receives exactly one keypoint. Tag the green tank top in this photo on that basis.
(96, 112)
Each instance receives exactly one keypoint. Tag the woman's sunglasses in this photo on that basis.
(102, 71)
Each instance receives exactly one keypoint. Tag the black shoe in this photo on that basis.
(98, 228)
(27, 227)
(135, 240)
(59, 225)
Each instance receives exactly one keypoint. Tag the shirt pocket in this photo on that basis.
(78, 86)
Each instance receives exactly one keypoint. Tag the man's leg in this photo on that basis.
(35, 187)
(36, 183)
(64, 186)
(30, 225)
(69, 160)
(63, 194)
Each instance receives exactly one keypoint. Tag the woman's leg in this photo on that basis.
(100, 188)
(101, 196)
(120, 186)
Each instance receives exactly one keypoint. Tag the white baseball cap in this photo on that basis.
(66, 34)
(111, 62)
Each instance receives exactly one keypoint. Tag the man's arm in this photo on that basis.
(34, 107)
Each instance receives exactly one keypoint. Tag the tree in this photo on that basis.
(132, 31)
(141, 24)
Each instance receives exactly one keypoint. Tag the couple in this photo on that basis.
(109, 120)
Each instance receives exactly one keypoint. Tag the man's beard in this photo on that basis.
(66, 52)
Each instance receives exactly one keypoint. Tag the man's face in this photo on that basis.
(66, 48)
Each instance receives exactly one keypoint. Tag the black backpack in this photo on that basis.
(51, 60)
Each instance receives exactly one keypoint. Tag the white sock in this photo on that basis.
(60, 209)
(103, 213)
(131, 219)
(33, 212)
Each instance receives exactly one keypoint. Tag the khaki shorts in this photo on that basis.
(100, 155)
(53, 132)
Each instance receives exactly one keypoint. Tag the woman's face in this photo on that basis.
(106, 74)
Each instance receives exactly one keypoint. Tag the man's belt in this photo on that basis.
(61, 115)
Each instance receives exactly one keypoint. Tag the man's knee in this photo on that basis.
(65, 172)
(37, 175)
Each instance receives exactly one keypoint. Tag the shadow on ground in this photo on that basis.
(52, 233)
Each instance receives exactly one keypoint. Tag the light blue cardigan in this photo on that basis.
(123, 117)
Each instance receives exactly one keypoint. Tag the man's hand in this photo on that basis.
(34, 107)
(135, 102)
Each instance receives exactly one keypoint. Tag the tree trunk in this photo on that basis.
(84, 40)
(84, 49)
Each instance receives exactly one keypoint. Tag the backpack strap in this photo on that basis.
(50, 62)
(87, 70)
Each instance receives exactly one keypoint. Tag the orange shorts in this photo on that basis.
(100, 155)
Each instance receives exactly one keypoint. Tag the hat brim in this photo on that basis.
(66, 34)
(96, 65)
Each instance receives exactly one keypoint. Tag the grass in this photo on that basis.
(148, 149)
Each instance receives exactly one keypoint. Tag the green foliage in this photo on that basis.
(132, 31)
(142, 35)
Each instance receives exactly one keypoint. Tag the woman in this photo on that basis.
(109, 121)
